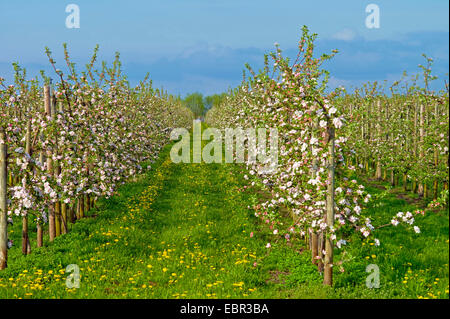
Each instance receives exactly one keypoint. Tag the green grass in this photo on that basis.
(411, 265)
(183, 231)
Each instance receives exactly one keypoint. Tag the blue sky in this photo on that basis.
(202, 45)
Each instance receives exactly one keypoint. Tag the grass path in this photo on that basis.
(180, 231)
(183, 231)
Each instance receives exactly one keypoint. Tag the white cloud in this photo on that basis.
(345, 35)
(337, 82)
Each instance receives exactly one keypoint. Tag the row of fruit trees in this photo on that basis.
(65, 144)
(324, 138)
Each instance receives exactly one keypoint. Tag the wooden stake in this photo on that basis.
(378, 173)
(3, 201)
(314, 236)
(63, 218)
(39, 234)
(86, 203)
(57, 219)
(321, 248)
(314, 247)
(25, 234)
(26, 248)
(328, 269)
(73, 212)
(81, 206)
(420, 190)
(51, 207)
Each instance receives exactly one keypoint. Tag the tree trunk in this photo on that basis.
(3, 201)
(321, 248)
(328, 270)
(73, 212)
(421, 190)
(378, 172)
(26, 248)
(314, 236)
(86, 203)
(63, 218)
(51, 207)
(39, 235)
(314, 247)
(57, 219)
(81, 206)
(24, 234)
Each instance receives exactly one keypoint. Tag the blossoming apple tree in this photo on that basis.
(69, 143)
(312, 179)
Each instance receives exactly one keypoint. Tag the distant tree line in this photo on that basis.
(200, 104)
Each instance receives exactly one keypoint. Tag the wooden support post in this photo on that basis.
(3, 201)
(314, 247)
(26, 248)
(321, 248)
(64, 228)
(73, 212)
(378, 172)
(57, 219)
(420, 189)
(435, 182)
(51, 207)
(314, 235)
(86, 203)
(328, 269)
(81, 206)
(39, 234)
